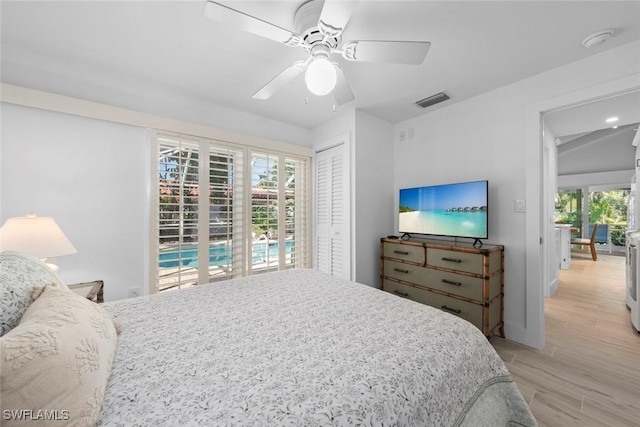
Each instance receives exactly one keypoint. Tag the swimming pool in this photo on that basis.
(220, 254)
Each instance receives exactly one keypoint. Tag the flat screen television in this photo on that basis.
(453, 210)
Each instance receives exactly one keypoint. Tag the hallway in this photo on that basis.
(588, 373)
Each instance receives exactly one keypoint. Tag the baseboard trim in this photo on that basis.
(517, 334)
(553, 287)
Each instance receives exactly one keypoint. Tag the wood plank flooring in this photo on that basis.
(588, 373)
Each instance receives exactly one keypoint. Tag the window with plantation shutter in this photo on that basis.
(279, 212)
(297, 218)
(218, 216)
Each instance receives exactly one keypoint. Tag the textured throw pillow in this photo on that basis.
(56, 363)
(20, 274)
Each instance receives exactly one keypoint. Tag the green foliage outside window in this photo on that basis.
(264, 217)
(605, 207)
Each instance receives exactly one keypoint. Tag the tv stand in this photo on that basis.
(405, 236)
(477, 243)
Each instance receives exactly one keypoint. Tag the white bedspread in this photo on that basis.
(300, 348)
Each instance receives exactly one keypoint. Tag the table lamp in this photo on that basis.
(37, 236)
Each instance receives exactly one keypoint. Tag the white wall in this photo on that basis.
(370, 154)
(471, 141)
(86, 165)
(89, 175)
(374, 195)
(487, 137)
(343, 122)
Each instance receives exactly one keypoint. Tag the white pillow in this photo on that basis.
(20, 275)
(57, 361)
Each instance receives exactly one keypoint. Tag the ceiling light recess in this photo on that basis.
(597, 38)
(612, 119)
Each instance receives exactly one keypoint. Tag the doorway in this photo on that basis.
(537, 223)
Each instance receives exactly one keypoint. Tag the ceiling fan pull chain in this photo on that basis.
(334, 108)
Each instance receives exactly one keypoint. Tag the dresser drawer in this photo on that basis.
(466, 310)
(457, 284)
(406, 272)
(405, 291)
(462, 285)
(461, 261)
(470, 312)
(409, 253)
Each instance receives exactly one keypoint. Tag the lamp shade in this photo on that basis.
(37, 236)
(321, 76)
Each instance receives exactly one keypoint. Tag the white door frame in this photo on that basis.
(536, 183)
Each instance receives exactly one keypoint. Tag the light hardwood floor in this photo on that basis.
(588, 373)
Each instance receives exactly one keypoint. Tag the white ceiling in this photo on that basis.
(128, 53)
(571, 122)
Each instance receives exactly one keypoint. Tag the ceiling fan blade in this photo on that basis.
(394, 52)
(281, 80)
(342, 92)
(335, 16)
(227, 16)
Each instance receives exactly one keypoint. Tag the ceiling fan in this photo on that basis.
(319, 25)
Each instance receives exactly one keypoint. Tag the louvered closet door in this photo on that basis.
(332, 212)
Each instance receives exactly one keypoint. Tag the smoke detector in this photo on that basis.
(597, 38)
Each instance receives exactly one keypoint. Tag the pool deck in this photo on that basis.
(173, 278)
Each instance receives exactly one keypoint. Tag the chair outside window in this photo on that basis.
(588, 242)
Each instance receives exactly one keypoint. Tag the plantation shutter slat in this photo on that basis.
(331, 207)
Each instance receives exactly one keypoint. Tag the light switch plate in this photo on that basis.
(519, 206)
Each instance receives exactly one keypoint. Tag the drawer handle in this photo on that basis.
(451, 282)
(401, 252)
(456, 260)
(402, 294)
(399, 270)
(453, 310)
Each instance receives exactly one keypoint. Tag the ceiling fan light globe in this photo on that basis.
(321, 77)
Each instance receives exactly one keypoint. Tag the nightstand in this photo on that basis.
(90, 290)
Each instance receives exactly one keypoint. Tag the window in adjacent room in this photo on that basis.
(583, 207)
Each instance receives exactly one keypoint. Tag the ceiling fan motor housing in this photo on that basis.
(306, 23)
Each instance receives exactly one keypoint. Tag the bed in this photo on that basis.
(298, 348)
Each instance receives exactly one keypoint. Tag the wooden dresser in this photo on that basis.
(455, 277)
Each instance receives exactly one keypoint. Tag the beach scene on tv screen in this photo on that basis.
(445, 210)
